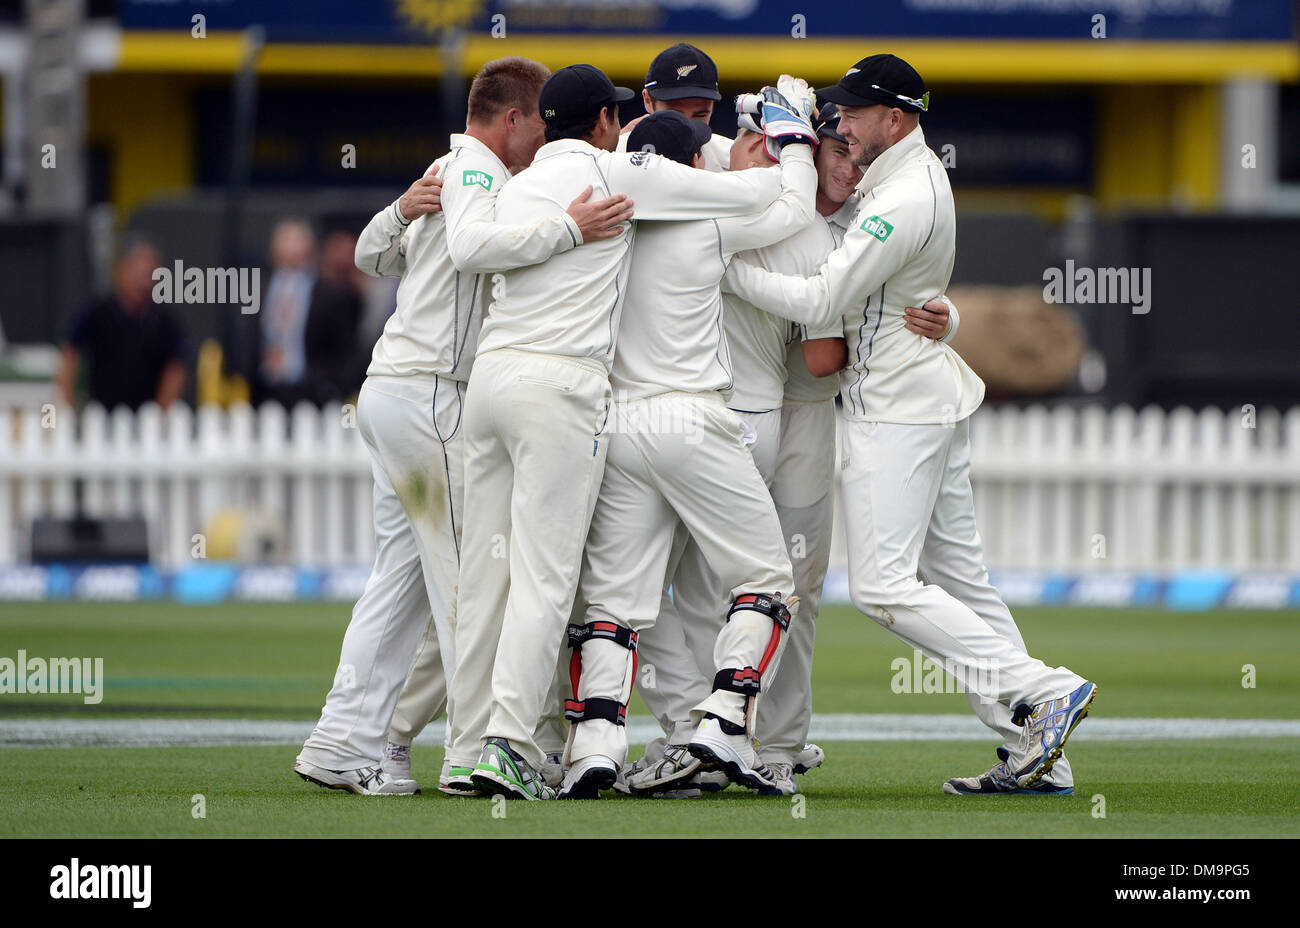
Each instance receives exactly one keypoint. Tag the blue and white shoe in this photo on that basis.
(1000, 782)
(1047, 727)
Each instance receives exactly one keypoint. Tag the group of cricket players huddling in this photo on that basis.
(602, 425)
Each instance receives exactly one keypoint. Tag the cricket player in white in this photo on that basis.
(802, 483)
(535, 415)
(409, 413)
(683, 78)
(679, 645)
(792, 446)
(675, 458)
(915, 558)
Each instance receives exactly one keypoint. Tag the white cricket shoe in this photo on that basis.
(552, 769)
(627, 772)
(587, 777)
(364, 781)
(712, 781)
(397, 761)
(811, 756)
(456, 781)
(671, 771)
(733, 753)
(782, 781)
(1047, 727)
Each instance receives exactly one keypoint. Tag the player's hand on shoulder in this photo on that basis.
(422, 197)
(600, 219)
(931, 320)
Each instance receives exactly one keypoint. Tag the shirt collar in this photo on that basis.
(461, 140)
(564, 146)
(892, 158)
(843, 217)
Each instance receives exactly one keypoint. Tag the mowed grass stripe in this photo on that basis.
(277, 660)
(77, 733)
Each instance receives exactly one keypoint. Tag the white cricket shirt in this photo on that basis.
(570, 305)
(670, 336)
(441, 258)
(756, 340)
(809, 249)
(898, 252)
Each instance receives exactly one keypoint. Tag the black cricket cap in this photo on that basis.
(578, 92)
(828, 121)
(670, 134)
(885, 79)
(682, 71)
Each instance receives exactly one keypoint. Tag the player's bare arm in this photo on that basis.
(825, 356)
(422, 197)
(932, 320)
(601, 219)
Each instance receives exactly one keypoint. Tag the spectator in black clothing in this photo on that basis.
(330, 338)
(134, 349)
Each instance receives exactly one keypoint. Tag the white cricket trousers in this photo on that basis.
(804, 494)
(909, 514)
(534, 456)
(410, 426)
(679, 646)
(700, 476)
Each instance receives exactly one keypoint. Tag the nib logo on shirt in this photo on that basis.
(877, 227)
(479, 178)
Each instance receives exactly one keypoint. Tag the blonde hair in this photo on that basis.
(506, 83)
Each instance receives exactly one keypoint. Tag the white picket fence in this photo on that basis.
(1055, 488)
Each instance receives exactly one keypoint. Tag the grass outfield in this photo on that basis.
(1188, 788)
(276, 662)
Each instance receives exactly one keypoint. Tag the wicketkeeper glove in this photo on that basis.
(787, 114)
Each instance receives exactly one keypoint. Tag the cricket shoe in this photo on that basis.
(733, 752)
(458, 781)
(553, 769)
(588, 776)
(1047, 726)
(364, 781)
(502, 771)
(811, 756)
(397, 761)
(686, 790)
(670, 772)
(625, 775)
(712, 781)
(782, 780)
(999, 781)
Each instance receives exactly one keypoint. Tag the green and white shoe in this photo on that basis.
(502, 771)
(457, 781)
